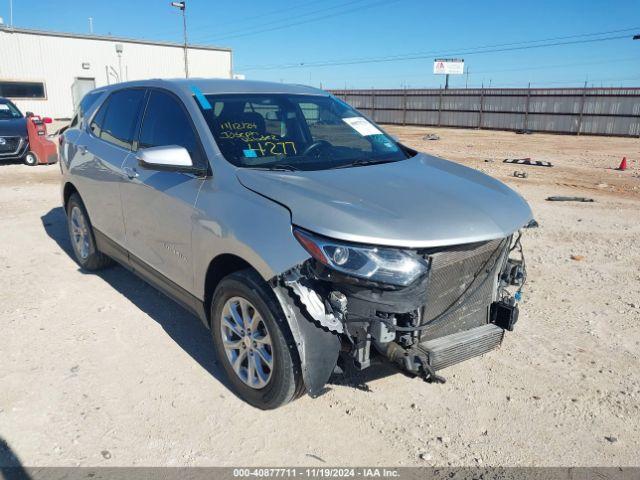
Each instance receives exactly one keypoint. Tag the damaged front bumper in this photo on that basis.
(459, 309)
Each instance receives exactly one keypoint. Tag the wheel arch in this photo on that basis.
(68, 190)
(219, 267)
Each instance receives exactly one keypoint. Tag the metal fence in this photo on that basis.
(578, 111)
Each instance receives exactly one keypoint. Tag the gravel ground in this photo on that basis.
(103, 370)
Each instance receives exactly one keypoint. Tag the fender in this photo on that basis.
(246, 225)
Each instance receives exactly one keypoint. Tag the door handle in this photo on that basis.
(83, 149)
(130, 172)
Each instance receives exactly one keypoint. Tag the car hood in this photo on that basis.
(420, 202)
(13, 128)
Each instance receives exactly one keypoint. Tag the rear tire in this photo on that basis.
(30, 159)
(82, 238)
(265, 385)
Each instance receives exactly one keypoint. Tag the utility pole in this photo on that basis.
(11, 13)
(446, 82)
(466, 84)
(183, 8)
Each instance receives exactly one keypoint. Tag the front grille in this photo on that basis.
(10, 144)
(461, 287)
(458, 347)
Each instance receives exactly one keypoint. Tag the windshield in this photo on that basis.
(8, 111)
(295, 132)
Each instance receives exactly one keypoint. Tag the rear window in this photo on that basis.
(117, 118)
(303, 132)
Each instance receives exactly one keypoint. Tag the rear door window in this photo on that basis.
(122, 111)
(166, 122)
(98, 119)
(86, 103)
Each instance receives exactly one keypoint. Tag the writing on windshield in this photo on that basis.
(304, 132)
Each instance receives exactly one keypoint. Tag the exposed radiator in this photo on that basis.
(464, 276)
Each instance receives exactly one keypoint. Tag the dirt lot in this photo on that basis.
(103, 370)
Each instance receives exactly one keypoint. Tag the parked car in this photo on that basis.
(303, 235)
(14, 137)
(14, 141)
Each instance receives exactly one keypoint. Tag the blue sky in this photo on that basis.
(276, 33)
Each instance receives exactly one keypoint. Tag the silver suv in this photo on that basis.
(305, 237)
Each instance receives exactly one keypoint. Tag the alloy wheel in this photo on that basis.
(79, 232)
(247, 342)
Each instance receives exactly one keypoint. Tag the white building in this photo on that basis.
(47, 73)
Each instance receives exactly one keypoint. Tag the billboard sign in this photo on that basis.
(448, 66)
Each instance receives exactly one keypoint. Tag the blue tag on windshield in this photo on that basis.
(250, 153)
(202, 100)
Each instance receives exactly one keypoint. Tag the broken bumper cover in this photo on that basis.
(458, 310)
(318, 348)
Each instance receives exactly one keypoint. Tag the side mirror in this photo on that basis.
(47, 120)
(170, 158)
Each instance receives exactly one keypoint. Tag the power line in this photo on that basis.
(422, 55)
(244, 33)
(523, 45)
(560, 65)
(268, 13)
(282, 22)
(518, 69)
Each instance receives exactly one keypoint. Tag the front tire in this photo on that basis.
(82, 238)
(30, 159)
(253, 342)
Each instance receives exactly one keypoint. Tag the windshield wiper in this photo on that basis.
(279, 168)
(362, 163)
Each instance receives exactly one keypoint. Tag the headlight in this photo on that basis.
(385, 265)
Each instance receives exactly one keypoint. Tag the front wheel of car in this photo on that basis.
(253, 342)
(82, 238)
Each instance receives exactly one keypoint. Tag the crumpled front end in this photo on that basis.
(460, 307)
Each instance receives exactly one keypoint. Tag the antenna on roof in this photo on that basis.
(91, 25)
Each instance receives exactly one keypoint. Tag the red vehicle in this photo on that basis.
(24, 138)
